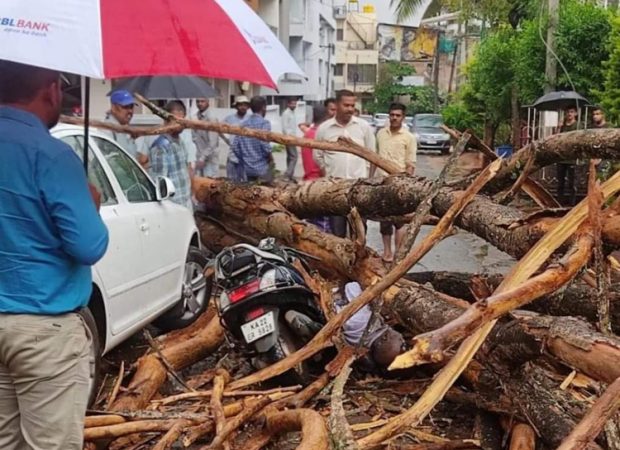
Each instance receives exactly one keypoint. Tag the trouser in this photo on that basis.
(565, 171)
(338, 225)
(291, 161)
(211, 169)
(267, 178)
(44, 377)
(387, 228)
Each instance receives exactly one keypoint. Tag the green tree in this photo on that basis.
(610, 94)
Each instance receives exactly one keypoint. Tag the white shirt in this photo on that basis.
(289, 122)
(340, 164)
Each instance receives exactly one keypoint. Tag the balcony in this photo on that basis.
(340, 12)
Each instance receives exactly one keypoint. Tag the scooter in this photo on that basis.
(265, 304)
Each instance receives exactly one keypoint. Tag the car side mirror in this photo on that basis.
(165, 188)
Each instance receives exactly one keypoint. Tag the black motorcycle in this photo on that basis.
(264, 302)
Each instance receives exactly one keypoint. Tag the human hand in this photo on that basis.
(95, 195)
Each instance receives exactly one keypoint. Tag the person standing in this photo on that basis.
(234, 169)
(207, 155)
(51, 236)
(122, 105)
(566, 169)
(330, 104)
(598, 118)
(604, 168)
(289, 127)
(169, 157)
(339, 164)
(396, 144)
(253, 154)
(312, 171)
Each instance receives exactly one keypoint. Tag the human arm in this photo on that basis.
(411, 155)
(71, 206)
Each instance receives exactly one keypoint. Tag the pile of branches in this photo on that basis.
(535, 349)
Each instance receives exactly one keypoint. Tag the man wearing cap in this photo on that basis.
(234, 169)
(121, 113)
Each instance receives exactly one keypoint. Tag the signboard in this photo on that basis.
(405, 44)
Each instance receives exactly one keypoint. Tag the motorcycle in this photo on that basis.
(265, 304)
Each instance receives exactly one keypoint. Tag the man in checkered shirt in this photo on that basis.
(254, 154)
(169, 158)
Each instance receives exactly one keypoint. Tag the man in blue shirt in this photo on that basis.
(51, 235)
(254, 154)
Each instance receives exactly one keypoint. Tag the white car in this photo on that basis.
(153, 267)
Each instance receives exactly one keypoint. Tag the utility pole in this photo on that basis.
(551, 69)
(436, 75)
(330, 49)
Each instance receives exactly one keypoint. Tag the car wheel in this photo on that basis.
(195, 294)
(94, 357)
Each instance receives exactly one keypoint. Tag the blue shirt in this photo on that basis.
(50, 230)
(253, 153)
(168, 157)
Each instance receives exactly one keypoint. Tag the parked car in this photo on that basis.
(381, 120)
(429, 135)
(371, 121)
(153, 268)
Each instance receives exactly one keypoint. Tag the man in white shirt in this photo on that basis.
(339, 164)
(207, 157)
(289, 126)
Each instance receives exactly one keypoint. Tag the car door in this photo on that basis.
(120, 270)
(164, 245)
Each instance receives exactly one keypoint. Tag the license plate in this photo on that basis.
(259, 327)
(431, 141)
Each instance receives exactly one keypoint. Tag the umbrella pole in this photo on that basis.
(86, 120)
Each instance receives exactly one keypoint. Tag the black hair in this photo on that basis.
(329, 100)
(598, 108)
(395, 106)
(258, 103)
(344, 93)
(319, 114)
(175, 105)
(21, 83)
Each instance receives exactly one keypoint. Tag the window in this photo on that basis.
(362, 73)
(340, 34)
(135, 184)
(339, 70)
(96, 175)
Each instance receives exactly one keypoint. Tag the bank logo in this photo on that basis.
(24, 26)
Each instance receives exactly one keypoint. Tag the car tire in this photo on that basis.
(195, 294)
(94, 356)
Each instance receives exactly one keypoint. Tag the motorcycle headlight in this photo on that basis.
(268, 280)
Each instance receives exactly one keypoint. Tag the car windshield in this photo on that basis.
(428, 121)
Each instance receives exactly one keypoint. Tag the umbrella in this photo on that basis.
(168, 87)
(127, 38)
(560, 100)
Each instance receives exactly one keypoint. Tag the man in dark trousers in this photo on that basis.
(566, 169)
(51, 236)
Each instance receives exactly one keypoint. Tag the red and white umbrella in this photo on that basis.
(120, 38)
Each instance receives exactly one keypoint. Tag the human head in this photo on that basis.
(356, 112)
(177, 109)
(570, 114)
(397, 115)
(32, 89)
(345, 105)
(319, 115)
(387, 347)
(258, 105)
(202, 104)
(242, 104)
(291, 103)
(122, 104)
(598, 115)
(330, 104)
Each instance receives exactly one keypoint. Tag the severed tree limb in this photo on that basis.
(219, 382)
(314, 435)
(123, 429)
(343, 145)
(522, 437)
(594, 421)
(171, 436)
(431, 347)
(340, 431)
(203, 394)
(117, 385)
(323, 338)
(424, 208)
(236, 422)
(521, 272)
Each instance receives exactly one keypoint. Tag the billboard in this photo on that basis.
(405, 44)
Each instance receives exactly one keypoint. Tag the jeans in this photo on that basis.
(564, 171)
(44, 377)
(291, 161)
(211, 169)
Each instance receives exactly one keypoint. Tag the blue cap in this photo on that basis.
(122, 97)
